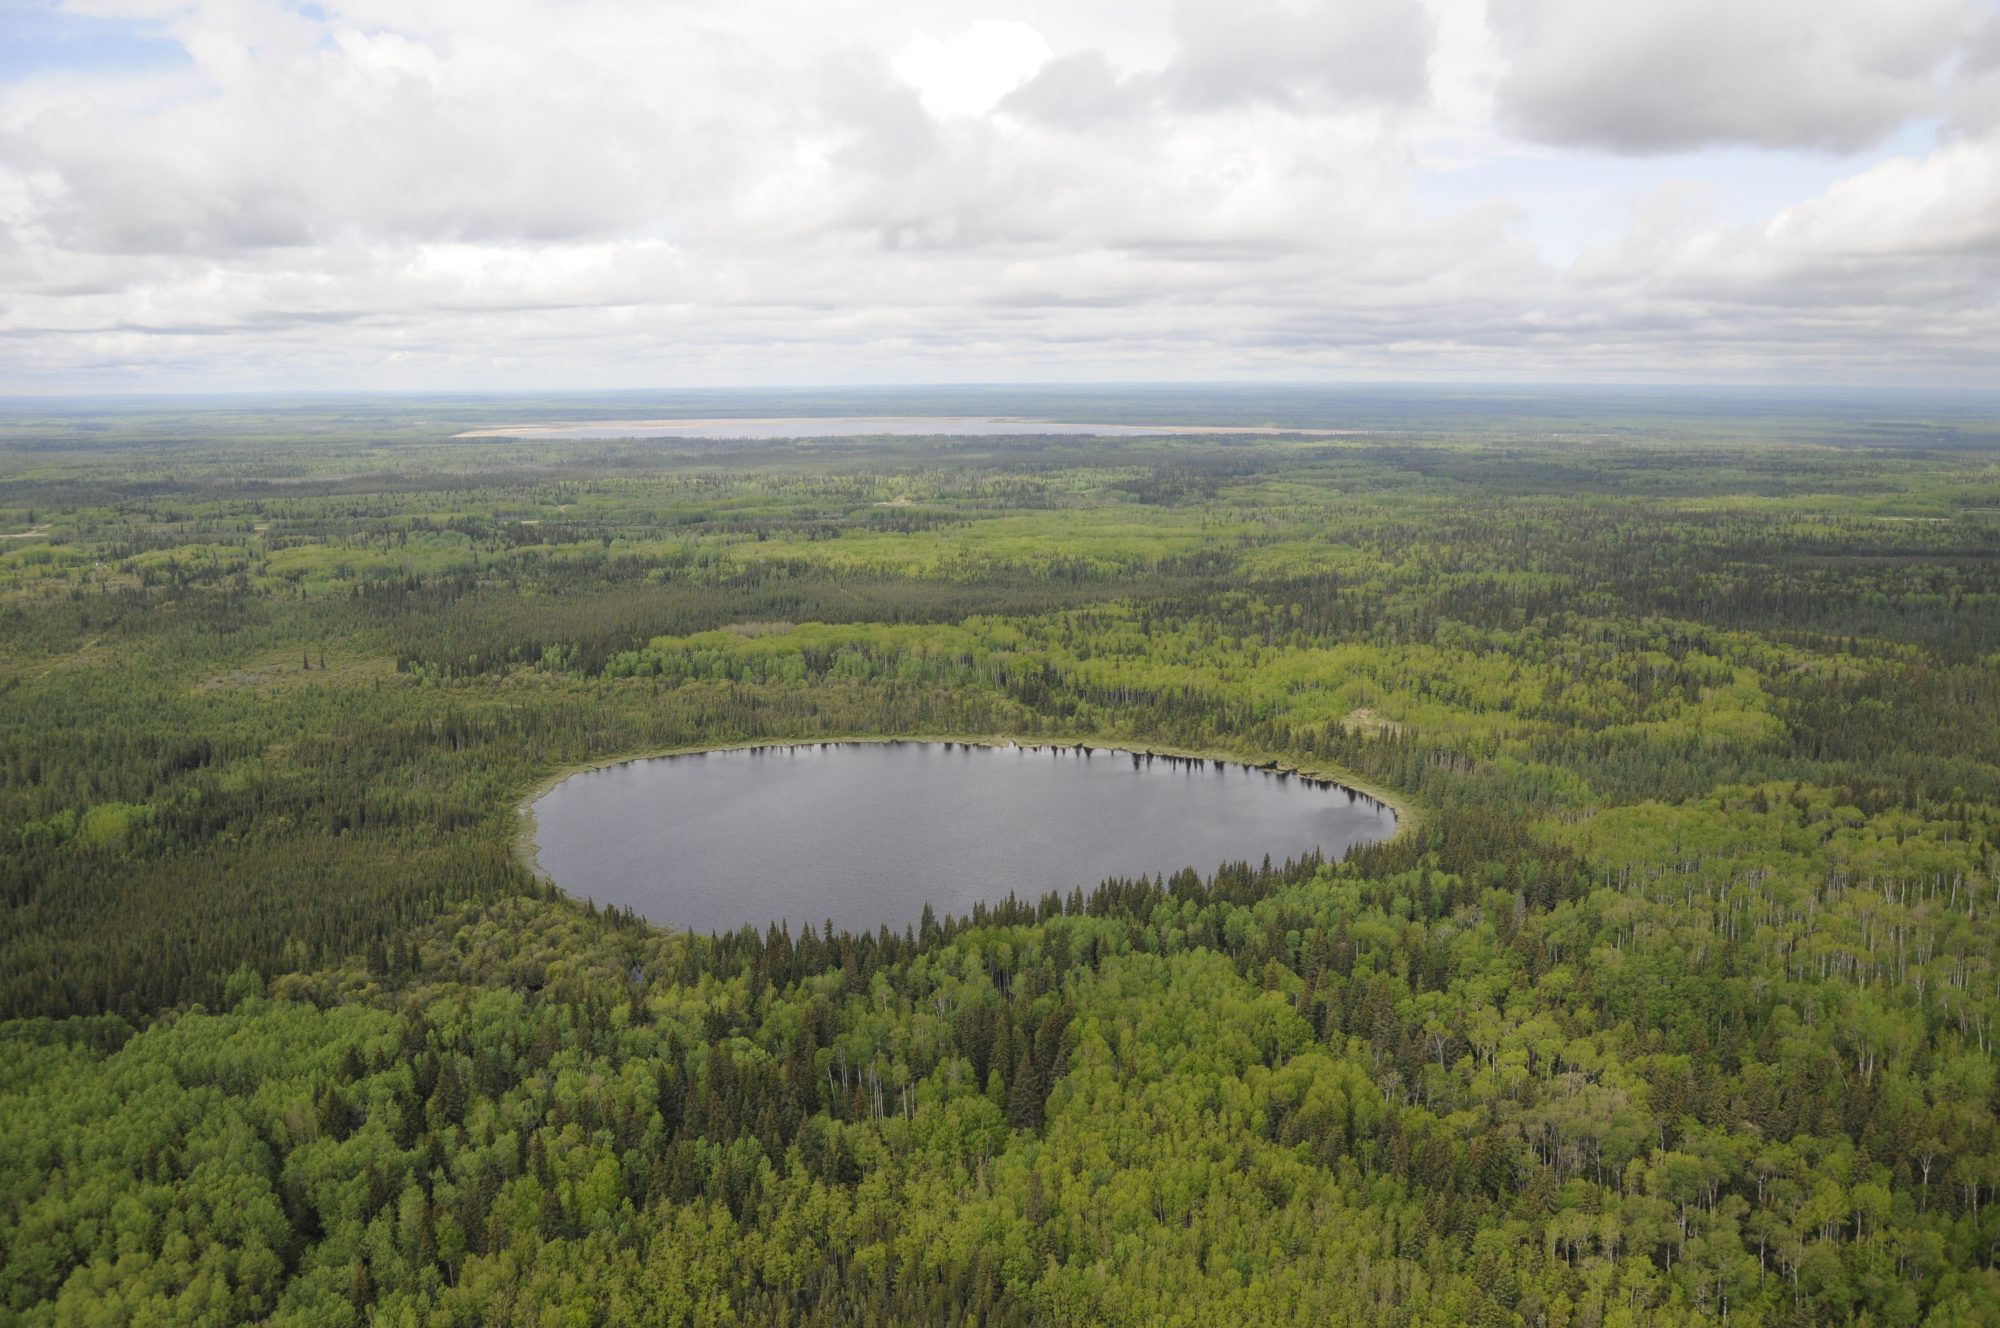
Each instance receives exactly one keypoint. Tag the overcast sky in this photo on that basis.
(600, 193)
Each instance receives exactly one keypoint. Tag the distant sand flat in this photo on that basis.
(848, 426)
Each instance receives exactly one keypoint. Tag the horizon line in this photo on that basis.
(1810, 389)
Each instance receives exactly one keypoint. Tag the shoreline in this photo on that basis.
(1406, 815)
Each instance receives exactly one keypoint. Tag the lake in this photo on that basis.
(850, 426)
(866, 834)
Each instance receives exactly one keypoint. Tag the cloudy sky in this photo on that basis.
(653, 193)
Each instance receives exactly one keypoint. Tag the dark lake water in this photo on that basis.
(866, 834)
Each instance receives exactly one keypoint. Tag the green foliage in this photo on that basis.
(1673, 1003)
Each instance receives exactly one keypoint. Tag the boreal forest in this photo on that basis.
(1671, 1001)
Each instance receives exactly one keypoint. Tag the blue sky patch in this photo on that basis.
(39, 38)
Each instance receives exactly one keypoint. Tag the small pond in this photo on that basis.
(866, 834)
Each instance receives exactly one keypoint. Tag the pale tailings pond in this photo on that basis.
(866, 834)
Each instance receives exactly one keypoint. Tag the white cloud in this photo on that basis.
(1295, 53)
(1942, 205)
(971, 70)
(1664, 75)
(515, 192)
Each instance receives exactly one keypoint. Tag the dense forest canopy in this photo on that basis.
(1674, 1001)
